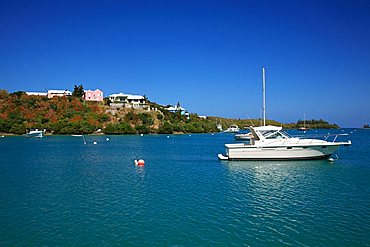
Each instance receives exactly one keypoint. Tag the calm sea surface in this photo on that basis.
(58, 191)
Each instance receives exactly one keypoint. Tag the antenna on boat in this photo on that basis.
(264, 95)
(250, 120)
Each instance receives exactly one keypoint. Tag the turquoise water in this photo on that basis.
(58, 191)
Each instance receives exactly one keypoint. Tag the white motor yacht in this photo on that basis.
(272, 143)
(232, 129)
(36, 133)
(243, 136)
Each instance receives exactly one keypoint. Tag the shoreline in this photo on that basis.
(139, 134)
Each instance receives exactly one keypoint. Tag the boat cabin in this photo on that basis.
(268, 133)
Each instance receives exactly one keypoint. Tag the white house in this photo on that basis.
(128, 101)
(178, 108)
(37, 94)
(175, 109)
(58, 93)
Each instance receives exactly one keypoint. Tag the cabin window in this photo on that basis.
(267, 132)
(285, 134)
(323, 146)
(276, 135)
(289, 148)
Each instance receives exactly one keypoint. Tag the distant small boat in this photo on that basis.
(219, 127)
(77, 135)
(304, 128)
(36, 133)
(232, 129)
(243, 136)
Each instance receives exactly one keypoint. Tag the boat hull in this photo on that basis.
(38, 134)
(279, 153)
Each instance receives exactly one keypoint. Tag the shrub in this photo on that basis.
(165, 128)
(142, 129)
(119, 128)
(146, 119)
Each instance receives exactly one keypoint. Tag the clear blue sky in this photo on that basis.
(206, 54)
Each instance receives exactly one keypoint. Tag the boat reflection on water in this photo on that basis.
(248, 164)
(266, 176)
(272, 189)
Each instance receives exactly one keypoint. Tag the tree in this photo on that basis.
(165, 128)
(119, 128)
(78, 91)
(18, 93)
(3, 94)
(142, 129)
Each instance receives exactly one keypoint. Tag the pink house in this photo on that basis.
(96, 95)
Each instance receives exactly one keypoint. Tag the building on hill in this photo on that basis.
(96, 95)
(37, 94)
(58, 93)
(122, 100)
(178, 108)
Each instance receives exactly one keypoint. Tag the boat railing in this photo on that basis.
(325, 137)
(302, 139)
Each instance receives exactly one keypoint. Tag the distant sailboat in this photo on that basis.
(304, 124)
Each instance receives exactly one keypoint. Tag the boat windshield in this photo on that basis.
(286, 134)
(267, 133)
(276, 135)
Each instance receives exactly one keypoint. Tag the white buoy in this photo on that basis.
(84, 142)
(107, 139)
(331, 160)
(168, 136)
(2, 136)
(141, 134)
(189, 135)
(95, 143)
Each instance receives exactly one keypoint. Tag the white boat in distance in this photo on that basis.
(243, 136)
(232, 129)
(304, 124)
(36, 133)
(272, 143)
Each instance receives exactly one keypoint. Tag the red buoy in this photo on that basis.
(139, 162)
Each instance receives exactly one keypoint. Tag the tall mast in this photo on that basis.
(260, 117)
(264, 96)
